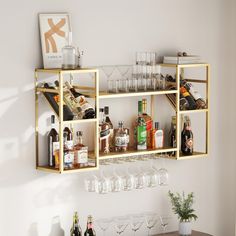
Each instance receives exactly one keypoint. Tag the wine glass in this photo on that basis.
(164, 221)
(90, 183)
(108, 71)
(121, 224)
(151, 219)
(123, 69)
(103, 224)
(102, 185)
(136, 221)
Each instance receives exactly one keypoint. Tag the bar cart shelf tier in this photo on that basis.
(94, 92)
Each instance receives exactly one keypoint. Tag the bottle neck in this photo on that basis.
(53, 125)
(79, 139)
(102, 117)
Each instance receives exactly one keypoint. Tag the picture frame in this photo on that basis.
(53, 30)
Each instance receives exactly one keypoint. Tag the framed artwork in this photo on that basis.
(53, 30)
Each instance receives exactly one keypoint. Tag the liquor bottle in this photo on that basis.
(108, 121)
(173, 142)
(68, 153)
(183, 103)
(53, 145)
(140, 130)
(189, 98)
(71, 101)
(75, 229)
(148, 120)
(104, 130)
(159, 136)
(53, 100)
(187, 137)
(89, 229)
(69, 54)
(200, 103)
(86, 109)
(121, 138)
(81, 151)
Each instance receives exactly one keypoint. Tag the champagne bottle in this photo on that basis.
(89, 229)
(187, 137)
(189, 98)
(53, 100)
(75, 229)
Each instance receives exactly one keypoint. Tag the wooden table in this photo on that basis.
(194, 233)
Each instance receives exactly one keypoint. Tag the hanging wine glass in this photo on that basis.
(103, 224)
(151, 220)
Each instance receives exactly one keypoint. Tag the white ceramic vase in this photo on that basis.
(185, 228)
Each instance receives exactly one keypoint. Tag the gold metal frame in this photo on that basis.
(94, 92)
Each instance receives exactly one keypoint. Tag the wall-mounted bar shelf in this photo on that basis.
(93, 92)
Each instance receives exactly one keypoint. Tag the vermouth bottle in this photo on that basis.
(104, 130)
(75, 229)
(53, 100)
(187, 137)
(89, 229)
(53, 145)
(87, 111)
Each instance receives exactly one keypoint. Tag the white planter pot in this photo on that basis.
(185, 228)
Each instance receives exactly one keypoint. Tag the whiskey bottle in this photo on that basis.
(53, 100)
(140, 130)
(71, 102)
(148, 120)
(89, 229)
(108, 121)
(68, 153)
(121, 138)
(53, 145)
(75, 229)
(81, 152)
(104, 130)
(87, 111)
(187, 137)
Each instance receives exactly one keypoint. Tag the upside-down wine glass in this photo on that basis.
(104, 224)
(151, 219)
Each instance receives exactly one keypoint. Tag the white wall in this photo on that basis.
(110, 32)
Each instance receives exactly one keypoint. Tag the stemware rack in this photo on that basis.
(173, 97)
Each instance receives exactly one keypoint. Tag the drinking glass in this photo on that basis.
(90, 183)
(151, 220)
(151, 178)
(136, 221)
(116, 182)
(128, 181)
(124, 85)
(153, 58)
(139, 180)
(110, 85)
(103, 224)
(102, 185)
(164, 221)
(163, 177)
(121, 224)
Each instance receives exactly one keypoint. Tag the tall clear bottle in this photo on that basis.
(104, 130)
(53, 145)
(69, 54)
(90, 229)
(75, 229)
(121, 138)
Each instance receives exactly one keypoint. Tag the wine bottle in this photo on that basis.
(189, 98)
(53, 100)
(53, 145)
(89, 229)
(75, 229)
(187, 137)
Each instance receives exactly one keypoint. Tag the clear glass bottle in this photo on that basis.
(69, 54)
(81, 151)
(121, 138)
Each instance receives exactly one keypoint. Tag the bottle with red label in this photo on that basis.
(187, 137)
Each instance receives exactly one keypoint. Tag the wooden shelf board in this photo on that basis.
(195, 155)
(57, 71)
(193, 111)
(135, 94)
(185, 65)
(135, 153)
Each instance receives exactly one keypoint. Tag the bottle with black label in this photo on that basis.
(191, 102)
(53, 100)
(187, 138)
(104, 130)
(53, 145)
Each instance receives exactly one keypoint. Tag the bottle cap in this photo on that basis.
(79, 133)
(56, 82)
(52, 119)
(120, 123)
(101, 110)
(156, 125)
(144, 101)
(106, 110)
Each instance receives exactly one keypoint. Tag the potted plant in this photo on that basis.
(182, 206)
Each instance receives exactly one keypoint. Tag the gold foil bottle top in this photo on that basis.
(144, 105)
(90, 219)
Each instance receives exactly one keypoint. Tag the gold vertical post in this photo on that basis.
(177, 112)
(152, 106)
(36, 119)
(61, 154)
(97, 118)
(208, 107)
